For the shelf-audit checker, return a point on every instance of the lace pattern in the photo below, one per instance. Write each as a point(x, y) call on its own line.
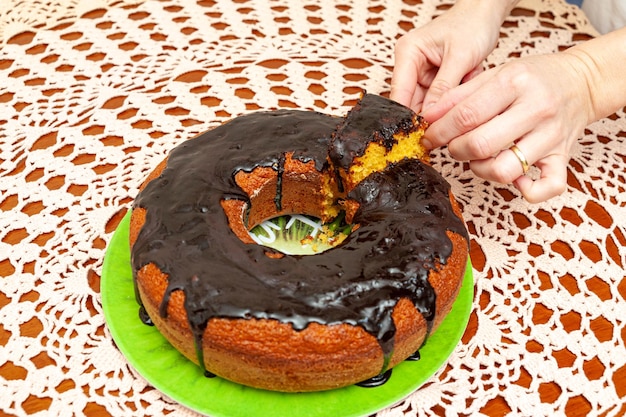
point(95, 94)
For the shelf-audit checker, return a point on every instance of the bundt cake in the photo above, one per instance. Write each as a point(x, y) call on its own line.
point(281, 322)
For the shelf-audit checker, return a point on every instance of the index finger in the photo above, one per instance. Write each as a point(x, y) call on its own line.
point(450, 74)
point(466, 107)
point(404, 78)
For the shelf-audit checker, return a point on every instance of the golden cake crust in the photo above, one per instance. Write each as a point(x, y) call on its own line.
point(270, 354)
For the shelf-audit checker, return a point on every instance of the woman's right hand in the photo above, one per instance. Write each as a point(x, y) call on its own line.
point(450, 49)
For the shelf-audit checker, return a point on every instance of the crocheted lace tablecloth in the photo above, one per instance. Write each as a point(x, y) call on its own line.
point(93, 94)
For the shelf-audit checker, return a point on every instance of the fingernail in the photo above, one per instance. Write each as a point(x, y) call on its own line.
point(427, 144)
point(425, 108)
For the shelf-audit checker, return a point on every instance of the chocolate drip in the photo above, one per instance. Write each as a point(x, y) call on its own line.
point(384, 376)
point(144, 317)
point(376, 381)
point(278, 199)
point(404, 213)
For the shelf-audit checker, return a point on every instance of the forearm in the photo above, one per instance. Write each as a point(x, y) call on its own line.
point(601, 61)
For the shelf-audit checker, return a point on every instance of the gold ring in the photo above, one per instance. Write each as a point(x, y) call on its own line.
point(521, 157)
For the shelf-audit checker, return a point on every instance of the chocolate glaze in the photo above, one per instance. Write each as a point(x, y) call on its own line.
point(403, 215)
point(381, 119)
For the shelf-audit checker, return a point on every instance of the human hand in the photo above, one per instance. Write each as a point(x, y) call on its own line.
point(445, 52)
point(541, 104)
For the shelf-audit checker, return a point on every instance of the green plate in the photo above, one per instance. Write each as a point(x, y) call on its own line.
point(180, 379)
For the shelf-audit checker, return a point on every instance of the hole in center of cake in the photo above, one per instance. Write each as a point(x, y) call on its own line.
point(298, 234)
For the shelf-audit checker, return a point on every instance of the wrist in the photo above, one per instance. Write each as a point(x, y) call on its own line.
point(601, 63)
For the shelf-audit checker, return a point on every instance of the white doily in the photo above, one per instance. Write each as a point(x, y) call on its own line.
point(94, 94)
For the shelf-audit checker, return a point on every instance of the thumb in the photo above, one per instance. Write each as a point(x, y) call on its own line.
point(450, 75)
